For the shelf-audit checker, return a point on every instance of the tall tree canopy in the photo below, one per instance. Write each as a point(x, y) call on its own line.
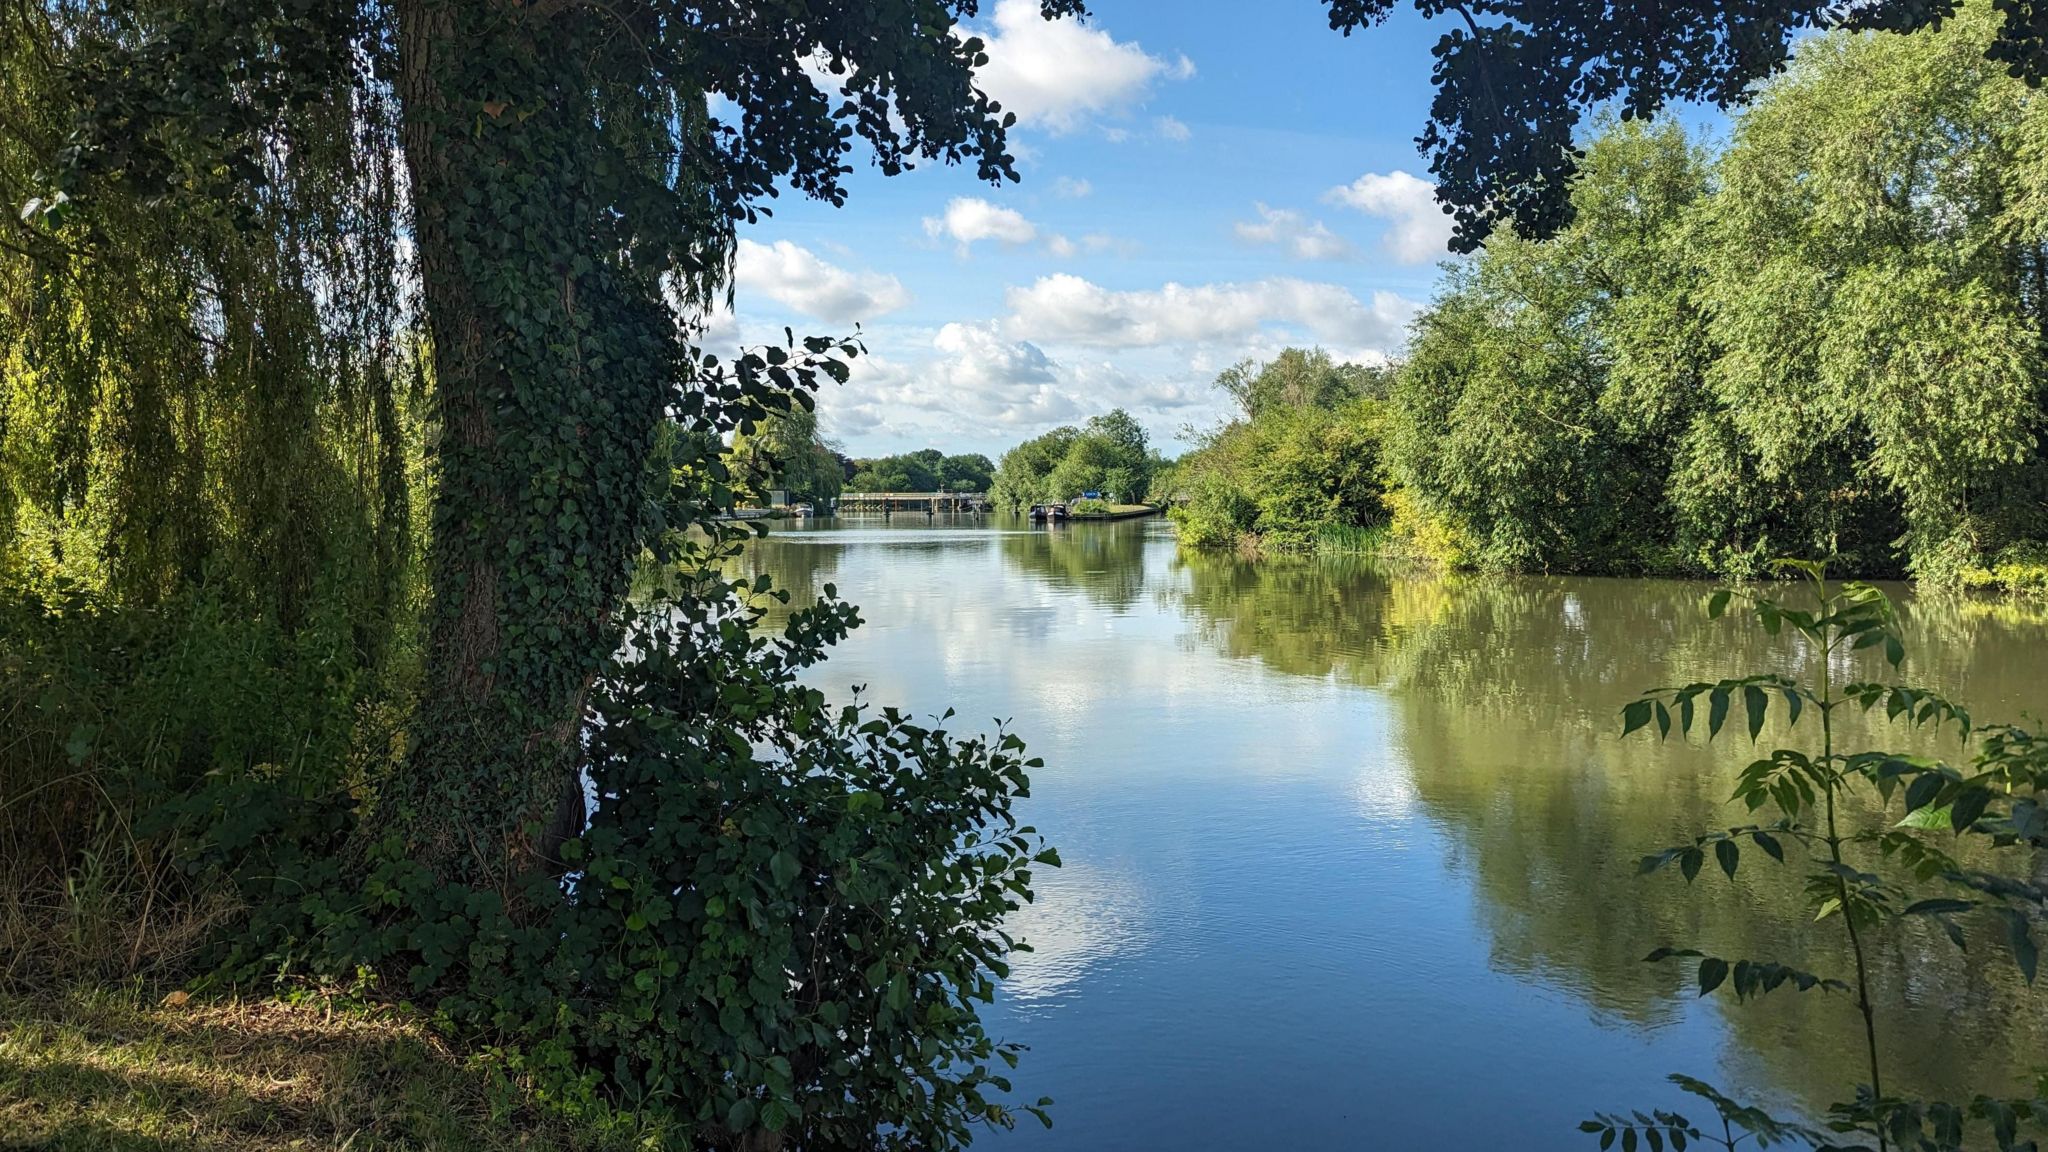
point(1515, 78)
point(566, 201)
point(1827, 340)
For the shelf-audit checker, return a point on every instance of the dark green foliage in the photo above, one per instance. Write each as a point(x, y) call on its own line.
point(206, 213)
point(925, 470)
point(1300, 467)
point(1828, 339)
point(1871, 880)
point(1515, 78)
point(1109, 454)
point(782, 916)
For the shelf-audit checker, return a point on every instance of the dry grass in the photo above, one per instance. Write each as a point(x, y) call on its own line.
point(89, 1069)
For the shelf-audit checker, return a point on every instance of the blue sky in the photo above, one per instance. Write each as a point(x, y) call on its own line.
point(1202, 182)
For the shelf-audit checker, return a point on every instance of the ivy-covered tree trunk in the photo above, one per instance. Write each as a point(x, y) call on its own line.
point(550, 359)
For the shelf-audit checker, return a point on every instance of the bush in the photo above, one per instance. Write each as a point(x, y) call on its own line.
point(782, 917)
point(135, 740)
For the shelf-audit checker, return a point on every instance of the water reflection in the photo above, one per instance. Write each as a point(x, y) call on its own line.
point(1351, 852)
point(1508, 692)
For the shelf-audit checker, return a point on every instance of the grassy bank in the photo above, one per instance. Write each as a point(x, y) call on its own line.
point(1098, 510)
point(97, 1067)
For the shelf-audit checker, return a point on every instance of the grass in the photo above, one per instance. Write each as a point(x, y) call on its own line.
point(91, 1068)
point(1085, 509)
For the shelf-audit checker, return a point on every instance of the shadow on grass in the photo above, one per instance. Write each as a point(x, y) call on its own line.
point(93, 1069)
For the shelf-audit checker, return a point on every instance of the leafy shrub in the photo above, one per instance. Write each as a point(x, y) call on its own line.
point(779, 923)
point(1290, 474)
point(2019, 568)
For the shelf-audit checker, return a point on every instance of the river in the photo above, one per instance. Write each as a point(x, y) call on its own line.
point(1350, 857)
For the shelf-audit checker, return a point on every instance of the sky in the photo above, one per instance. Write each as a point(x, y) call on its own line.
point(1202, 181)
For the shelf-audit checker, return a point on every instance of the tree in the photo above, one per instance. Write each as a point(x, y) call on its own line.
point(1827, 340)
point(919, 471)
point(1300, 467)
point(970, 473)
point(1515, 78)
point(1299, 378)
point(566, 183)
point(786, 453)
point(1020, 478)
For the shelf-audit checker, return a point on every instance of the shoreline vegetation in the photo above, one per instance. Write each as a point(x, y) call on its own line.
point(1828, 337)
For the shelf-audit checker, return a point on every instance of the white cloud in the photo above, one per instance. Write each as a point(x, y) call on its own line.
point(1068, 188)
point(1060, 74)
point(1172, 129)
point(976, 376)
point(1418, 229)
point(974, 383)
point(796, 278)
point(970, 219)
point(1304, 239)
point(1067, 309)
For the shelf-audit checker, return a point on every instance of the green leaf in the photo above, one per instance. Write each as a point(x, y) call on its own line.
point(1770, 845)
point(1713, 970)
point(784, 868)
point(1717, 603)
point(1968, 807)
point(1756, 702)
point(1923, 790)
point(2019, 935)
point(1635, 716)
point(1726, 853)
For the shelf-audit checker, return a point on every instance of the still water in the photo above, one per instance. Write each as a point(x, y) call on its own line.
point(1350, 856)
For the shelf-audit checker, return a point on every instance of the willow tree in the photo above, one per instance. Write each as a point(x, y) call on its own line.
point(570, 200)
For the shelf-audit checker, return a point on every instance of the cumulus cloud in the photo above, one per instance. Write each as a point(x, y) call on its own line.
point(797, 278)
point(1301, 237)
point(1060, 74)
point(977, 384)
point(973, 375)
point(1418, 230)
point(969, 219)
point(1067, 309)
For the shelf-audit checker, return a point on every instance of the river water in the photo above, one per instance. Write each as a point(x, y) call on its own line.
point(1350, 857)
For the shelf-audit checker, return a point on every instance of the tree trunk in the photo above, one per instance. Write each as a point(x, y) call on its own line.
point(550, 359)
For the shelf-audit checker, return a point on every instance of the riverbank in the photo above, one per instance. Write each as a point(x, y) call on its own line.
point(134, 1067)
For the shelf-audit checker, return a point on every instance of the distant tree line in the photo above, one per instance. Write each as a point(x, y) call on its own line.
point(925, 470)
point(1827, 339)
point(1110, 454)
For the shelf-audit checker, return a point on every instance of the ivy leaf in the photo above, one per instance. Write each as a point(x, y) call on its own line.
point(784, 868)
